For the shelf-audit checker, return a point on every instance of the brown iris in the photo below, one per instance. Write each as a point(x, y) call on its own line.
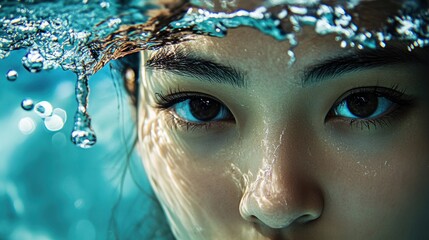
point(362, 105)
point(204, 109)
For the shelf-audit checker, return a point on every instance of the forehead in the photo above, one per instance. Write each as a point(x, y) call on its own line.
point(250, 49)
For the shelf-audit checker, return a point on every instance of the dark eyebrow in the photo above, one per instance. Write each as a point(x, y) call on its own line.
point(357, 60)
point(183, 63)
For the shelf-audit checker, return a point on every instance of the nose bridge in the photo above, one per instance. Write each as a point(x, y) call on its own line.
point(278, 193)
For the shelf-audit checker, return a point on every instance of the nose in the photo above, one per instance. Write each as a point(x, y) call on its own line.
point(283, 193)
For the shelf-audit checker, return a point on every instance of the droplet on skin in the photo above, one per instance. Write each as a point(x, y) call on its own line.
point(12, 75)
point(27, 104)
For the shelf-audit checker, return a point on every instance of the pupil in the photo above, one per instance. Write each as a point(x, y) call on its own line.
point(204, 109)
point(362, 105)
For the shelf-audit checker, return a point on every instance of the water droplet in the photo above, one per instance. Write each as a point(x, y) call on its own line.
point(298, 10)
point(33, 61)
point(292, 58)
point(84, 138)
point(43, 109)
point(82, 135)
point(12, 75)
point(43, 25)
point(104, 4)
point(27, 104)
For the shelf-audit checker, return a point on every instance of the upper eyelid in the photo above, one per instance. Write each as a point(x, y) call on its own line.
point(393, 93)
point(168, 100)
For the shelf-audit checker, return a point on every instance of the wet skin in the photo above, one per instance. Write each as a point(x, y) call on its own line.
point(281, 159)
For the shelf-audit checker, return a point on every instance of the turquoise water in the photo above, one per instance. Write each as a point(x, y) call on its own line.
point(49, 188)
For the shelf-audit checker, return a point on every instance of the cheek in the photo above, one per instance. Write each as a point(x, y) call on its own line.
point(382, 183)
point(192, 185)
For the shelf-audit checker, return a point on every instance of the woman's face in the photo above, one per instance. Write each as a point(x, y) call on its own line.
point(239, 145)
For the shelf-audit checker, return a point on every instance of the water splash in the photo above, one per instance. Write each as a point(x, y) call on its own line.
point(57, 39)
point(411, 26)
point(97, 32)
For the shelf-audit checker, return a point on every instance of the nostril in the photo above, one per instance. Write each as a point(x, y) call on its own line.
point(253, 219)
point(306, 218)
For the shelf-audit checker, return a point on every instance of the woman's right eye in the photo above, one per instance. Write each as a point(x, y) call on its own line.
point(201, 110)
point(193, 110)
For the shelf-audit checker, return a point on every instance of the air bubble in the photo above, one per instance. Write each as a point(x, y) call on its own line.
point(61, 113)
point(27, 104)
point(11, 75)
point(33, 61)
point(43, 109)
point(54, 123)
point(26, 125)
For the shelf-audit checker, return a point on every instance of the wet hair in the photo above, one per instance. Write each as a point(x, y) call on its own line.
point(129, 69)
point(153, 223)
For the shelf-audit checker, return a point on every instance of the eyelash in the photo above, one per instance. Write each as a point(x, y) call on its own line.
point(174, 96)
point(394, 94)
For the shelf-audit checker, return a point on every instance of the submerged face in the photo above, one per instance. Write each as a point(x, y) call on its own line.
point(239, 145)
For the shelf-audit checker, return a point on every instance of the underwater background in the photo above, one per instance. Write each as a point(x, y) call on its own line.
point(52, 189)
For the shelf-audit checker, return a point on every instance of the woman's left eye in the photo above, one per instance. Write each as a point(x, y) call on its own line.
point(201, 110)
point(365, 105)
point(370, 106)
